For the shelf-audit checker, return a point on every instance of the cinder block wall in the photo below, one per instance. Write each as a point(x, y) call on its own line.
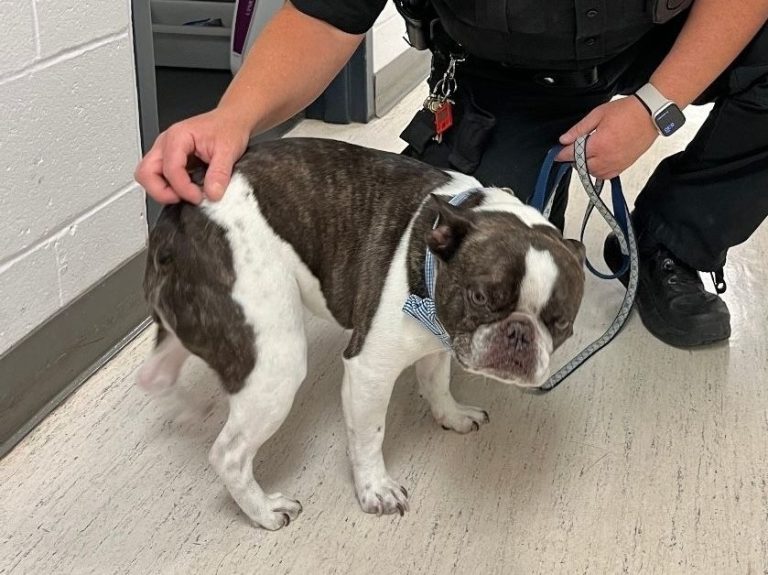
point(69, 141)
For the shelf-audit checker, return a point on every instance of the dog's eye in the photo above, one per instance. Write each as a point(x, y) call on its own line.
point(477, 297)
point(562, 324)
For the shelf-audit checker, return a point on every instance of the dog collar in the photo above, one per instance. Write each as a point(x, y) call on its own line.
point(423, 309)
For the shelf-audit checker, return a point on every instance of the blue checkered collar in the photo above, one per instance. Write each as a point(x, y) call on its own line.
point(424, 309)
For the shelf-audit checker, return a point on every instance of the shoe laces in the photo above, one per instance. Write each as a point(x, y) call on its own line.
point(678, 273)
point(681, 274)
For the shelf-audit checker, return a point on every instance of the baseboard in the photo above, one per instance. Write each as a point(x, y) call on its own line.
point(41, 371)
point(398, 78)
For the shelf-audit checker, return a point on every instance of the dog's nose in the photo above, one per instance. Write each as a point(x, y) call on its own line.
point(520, 333)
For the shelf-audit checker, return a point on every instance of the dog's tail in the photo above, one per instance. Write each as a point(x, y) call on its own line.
point(161, 253)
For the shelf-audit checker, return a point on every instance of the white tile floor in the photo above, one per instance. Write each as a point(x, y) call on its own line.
point(649, 460)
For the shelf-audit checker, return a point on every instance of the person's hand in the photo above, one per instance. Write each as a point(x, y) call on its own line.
point(623, 131)
point(217, 138)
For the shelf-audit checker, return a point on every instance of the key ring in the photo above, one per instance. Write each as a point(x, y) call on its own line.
point(447, 85)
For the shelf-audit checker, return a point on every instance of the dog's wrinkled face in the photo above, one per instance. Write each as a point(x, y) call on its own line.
point(507, 291)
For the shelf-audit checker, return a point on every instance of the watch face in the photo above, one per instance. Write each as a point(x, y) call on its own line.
point(669, 119)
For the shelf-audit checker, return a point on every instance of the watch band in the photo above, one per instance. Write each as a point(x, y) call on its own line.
point(665, 114)
point(651, 98)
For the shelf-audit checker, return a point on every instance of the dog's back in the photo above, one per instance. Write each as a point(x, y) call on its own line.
point(319, 195)
point(313, 194)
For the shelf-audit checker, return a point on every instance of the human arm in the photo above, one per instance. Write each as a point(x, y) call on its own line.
point(292, 61)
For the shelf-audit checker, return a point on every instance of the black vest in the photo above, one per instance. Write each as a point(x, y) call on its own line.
point(551, 34)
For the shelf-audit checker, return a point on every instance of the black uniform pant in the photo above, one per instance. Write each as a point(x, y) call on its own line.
point(697, 203)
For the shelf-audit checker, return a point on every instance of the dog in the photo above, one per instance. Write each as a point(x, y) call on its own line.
point(344, 231)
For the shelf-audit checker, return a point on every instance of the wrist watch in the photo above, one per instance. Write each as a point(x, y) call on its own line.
point(666, 115)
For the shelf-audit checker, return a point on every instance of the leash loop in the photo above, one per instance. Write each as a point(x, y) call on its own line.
point(620, 223)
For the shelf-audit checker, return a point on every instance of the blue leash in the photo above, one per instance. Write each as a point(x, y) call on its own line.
point(620, 223)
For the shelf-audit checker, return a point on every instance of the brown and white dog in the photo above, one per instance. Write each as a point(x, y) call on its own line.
point(343, 231)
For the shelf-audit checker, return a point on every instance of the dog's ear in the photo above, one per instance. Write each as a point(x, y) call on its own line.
point(577, 249)
point(453, 225)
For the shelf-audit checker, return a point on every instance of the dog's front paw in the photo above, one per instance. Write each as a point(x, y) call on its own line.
point(279, 512)
point(382, 496)
point(462, 418)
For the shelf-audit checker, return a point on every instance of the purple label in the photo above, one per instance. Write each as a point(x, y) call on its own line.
point(242, 23)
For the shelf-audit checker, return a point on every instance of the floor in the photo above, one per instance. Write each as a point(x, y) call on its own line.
point(648, 460)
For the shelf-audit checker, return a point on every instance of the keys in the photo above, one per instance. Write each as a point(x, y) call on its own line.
point(433, 102)
point(439, 102)
point(442, 110)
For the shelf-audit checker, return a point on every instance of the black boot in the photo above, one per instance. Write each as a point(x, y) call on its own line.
point(671, 298)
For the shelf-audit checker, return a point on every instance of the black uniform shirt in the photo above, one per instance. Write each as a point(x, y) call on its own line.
point(559, 34)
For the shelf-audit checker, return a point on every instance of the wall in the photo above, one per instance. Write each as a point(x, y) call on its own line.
point(388, 33)
point(69, 210)
point(397, 67)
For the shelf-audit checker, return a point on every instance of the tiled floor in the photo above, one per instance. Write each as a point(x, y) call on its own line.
point(649, 460)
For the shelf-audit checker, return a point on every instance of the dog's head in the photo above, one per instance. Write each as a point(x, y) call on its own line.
point(508, 289)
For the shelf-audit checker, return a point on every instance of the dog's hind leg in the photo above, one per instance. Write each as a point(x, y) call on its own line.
point(159, 373)
point(256, 345)
point(434, 375)
point(161, 370)
point(220, 280)
point(260, 406)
